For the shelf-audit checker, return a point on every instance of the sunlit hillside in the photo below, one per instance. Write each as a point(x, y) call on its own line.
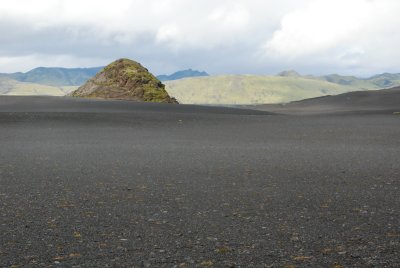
point(250, 89)
point(12, 87)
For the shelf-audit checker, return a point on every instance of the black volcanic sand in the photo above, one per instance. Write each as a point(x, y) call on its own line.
point(373, 101)
point(88, 183)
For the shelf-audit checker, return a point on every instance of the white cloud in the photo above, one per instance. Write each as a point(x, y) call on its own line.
point(348, 34)
point(167, 33)
point(230, 16)
point(320, 26)
point(239, 36)
point(28, 62)
point(131, 27)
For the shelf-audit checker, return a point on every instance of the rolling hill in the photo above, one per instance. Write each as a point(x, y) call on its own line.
point(380, 81)
point(285, 87)
point(13, 87)
point(250, 89)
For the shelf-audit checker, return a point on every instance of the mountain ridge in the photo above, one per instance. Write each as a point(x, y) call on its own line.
point(54, 76)
point(379, 81)
point(62, 76)
point(182, 74)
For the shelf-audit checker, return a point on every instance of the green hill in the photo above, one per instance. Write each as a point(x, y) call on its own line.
point(13, 87)
point(287, 86)
point(250, 89)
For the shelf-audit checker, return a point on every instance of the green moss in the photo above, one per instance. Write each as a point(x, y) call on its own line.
point(128, 79)
point(154, 94)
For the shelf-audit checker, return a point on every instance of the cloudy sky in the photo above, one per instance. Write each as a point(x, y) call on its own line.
point(359, 37)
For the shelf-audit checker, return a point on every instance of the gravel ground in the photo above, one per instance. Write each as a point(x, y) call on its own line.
point(87, 183)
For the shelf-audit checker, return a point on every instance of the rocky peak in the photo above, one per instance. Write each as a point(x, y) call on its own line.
point(125, 79)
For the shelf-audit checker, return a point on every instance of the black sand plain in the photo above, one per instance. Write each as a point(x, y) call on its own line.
point(372, 101)
point(89, 183)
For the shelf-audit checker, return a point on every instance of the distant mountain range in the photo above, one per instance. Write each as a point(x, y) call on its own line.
point(182, 74)
point(54, 76)
point(380, 81)
point(199, 88)
point(78, 76)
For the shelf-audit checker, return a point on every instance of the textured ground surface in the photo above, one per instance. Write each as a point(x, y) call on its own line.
point(375, 101)
point(114, 184)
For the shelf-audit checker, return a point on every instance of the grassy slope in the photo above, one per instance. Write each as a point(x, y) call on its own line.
point(12, 87)
point(250, 89)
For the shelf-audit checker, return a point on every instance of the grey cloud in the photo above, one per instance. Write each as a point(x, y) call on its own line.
point(219, 37)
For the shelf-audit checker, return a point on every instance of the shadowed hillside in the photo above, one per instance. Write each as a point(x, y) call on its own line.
point(385, 100)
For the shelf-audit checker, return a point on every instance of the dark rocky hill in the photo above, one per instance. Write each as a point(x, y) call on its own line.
point(125, 79)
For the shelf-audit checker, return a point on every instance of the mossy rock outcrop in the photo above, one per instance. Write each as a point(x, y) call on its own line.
point(126, 80)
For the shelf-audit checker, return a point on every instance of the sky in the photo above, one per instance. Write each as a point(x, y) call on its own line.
point(352, 37)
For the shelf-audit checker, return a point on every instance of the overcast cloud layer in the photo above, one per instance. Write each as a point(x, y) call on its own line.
point(357, 37)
